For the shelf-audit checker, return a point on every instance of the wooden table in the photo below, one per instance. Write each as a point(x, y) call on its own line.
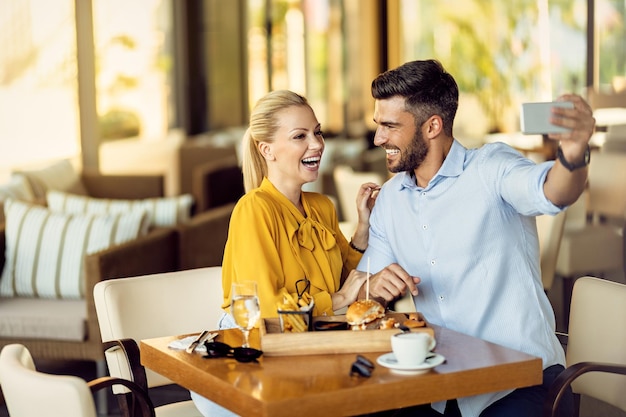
point(315, 385)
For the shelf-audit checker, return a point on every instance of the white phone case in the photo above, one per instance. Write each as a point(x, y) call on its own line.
point(535, 117)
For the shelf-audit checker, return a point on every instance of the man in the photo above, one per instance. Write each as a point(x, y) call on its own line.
point(460, 223)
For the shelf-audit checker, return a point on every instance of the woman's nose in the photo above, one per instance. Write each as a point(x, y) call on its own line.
point(316, 143)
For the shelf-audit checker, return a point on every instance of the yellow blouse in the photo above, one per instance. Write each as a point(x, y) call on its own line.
point(272, 243)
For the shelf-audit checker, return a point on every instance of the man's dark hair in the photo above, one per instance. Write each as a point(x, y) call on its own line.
point(427, 88)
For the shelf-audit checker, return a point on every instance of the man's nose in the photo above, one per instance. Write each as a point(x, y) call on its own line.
point(379, 137)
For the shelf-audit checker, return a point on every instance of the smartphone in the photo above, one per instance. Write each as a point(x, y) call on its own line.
point(535, 117)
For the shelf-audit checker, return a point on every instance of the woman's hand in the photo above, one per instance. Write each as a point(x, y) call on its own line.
point(365, 199)
point(349, 291)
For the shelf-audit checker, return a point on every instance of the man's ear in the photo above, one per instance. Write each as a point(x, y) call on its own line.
point(266, 151)
point(434, 126)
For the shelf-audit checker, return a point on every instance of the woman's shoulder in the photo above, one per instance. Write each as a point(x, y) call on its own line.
point(319, 200)
point(255, 201)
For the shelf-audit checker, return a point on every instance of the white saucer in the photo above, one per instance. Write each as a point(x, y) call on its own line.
point(388, 360)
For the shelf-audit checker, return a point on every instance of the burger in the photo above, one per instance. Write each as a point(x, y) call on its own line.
point(362, 312)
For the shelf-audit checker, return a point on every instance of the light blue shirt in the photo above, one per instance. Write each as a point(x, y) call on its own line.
point(470, 235)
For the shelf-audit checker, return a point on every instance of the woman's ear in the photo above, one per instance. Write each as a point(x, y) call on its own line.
point(266, 151)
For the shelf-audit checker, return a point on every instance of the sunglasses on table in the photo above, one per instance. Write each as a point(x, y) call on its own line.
point(222, 350)
point(362, 367)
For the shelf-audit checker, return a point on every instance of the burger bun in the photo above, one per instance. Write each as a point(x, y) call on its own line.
point(364, 311)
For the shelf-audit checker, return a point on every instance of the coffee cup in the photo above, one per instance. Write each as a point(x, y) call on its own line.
point(411, 349)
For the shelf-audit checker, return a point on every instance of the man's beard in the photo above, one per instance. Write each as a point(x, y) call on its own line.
point(413, 156)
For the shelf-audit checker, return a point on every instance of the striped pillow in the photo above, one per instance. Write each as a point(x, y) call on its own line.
point(163, 212)
point(45, 250)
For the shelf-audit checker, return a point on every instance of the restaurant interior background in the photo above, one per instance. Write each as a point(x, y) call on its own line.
point(118, 85)
point(92, 79)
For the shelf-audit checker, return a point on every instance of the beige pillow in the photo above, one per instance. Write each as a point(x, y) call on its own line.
point(45, 250)
point(163, 212)
point(17, 188)
point(59, 176)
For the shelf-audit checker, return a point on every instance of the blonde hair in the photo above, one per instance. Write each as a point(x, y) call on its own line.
point(263, 125)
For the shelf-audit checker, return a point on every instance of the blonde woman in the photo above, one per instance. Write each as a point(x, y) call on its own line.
point(280, 235)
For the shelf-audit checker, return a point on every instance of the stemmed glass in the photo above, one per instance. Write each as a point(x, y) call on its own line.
point(244, 306)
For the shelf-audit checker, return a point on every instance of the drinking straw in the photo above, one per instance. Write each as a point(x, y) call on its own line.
point(367, 284)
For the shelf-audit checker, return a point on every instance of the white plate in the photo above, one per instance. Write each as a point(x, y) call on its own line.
point(388, 360)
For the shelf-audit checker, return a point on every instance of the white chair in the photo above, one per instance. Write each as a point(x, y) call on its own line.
point(596, 347)
point(615, 139)
point(29, 393)
point(151, 306)
point(347, 183)
point(594, 244)
point(550, 232)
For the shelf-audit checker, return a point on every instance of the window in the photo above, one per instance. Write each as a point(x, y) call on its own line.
point(300, 46)
point(610, 30)
point(38, 89)
point(39, 115)
point(133, 68)
point(500, 53)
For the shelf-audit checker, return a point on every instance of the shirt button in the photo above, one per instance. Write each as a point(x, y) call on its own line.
point(441, 297)
point(425, 227)
point(433, 262)
point(423, 193)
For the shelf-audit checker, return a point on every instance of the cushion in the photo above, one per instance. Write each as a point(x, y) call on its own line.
point(163, 211)
point(18, 188)
point(59, 176)
point(40, 318)
point(45, 250)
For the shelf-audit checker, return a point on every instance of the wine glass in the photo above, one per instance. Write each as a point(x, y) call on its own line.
point(244, 306)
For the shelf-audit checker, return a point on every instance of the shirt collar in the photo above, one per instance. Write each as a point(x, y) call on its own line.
point(303, 229)
point(268, 187)
point(452, 166)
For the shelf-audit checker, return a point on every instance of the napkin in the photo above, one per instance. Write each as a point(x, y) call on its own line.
point(182, 344)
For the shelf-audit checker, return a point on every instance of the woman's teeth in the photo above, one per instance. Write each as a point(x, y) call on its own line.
point(311, 161)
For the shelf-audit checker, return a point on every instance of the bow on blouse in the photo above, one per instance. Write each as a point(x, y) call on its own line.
point(306, 238)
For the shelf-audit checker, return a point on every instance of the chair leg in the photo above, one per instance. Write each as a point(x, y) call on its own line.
point(102, 396)
point(568, 287)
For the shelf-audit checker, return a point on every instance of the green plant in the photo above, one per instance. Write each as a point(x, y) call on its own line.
point(119, 124)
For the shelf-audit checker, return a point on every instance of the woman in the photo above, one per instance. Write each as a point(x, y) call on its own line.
point(280, 235)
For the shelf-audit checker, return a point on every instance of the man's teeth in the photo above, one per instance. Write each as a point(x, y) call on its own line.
point(392, 151)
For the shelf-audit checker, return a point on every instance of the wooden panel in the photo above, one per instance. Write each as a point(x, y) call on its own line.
point(275, 343)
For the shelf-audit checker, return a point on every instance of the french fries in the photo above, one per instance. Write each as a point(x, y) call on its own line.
point(294, 322)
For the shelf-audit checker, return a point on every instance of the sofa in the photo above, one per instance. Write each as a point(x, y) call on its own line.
point(54, 324)
point(68, 329)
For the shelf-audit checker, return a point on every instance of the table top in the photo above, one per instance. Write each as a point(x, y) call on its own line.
point(314, 385)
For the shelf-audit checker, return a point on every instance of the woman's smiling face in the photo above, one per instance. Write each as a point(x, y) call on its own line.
point(294, 157)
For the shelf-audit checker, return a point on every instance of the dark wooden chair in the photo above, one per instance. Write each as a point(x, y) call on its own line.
point(217, 183)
